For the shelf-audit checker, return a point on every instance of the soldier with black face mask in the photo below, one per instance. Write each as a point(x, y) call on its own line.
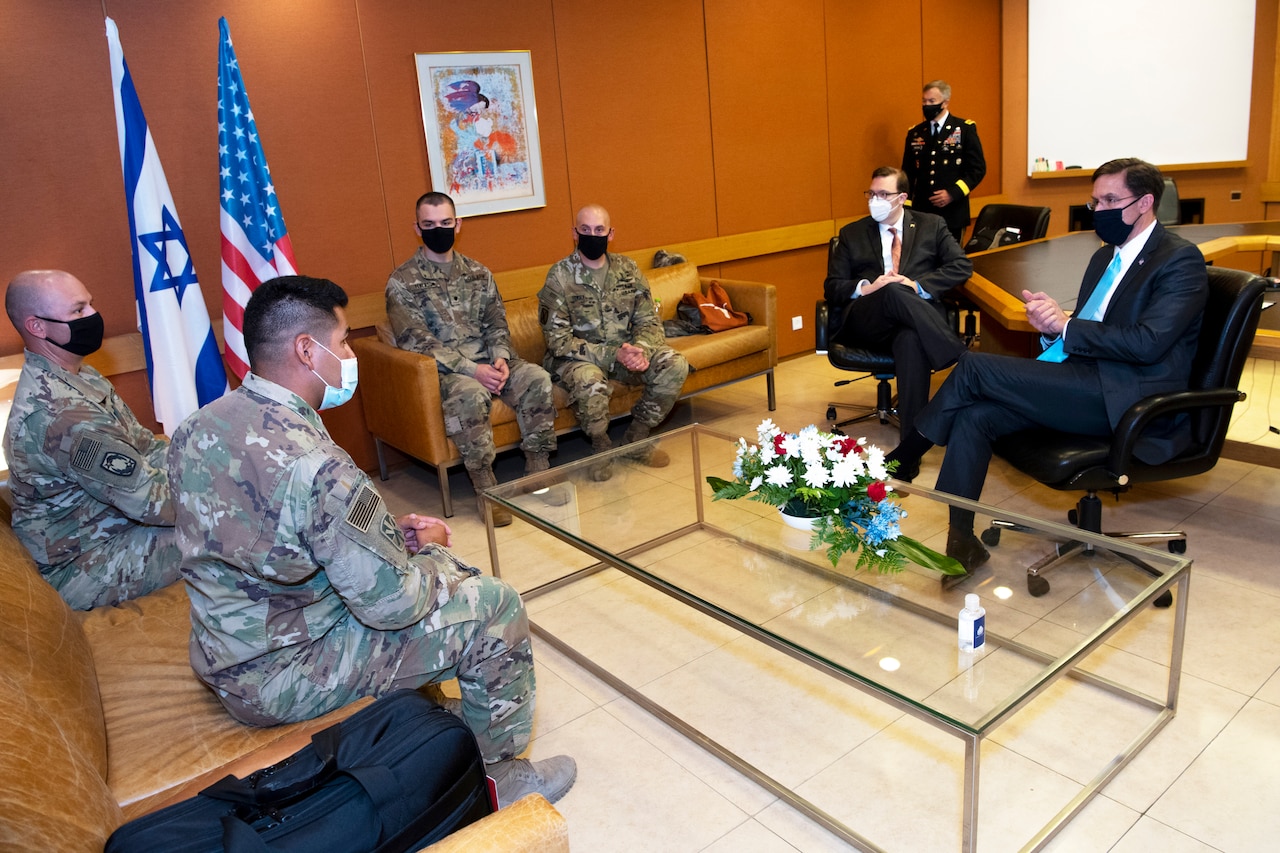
point(90, 488)
point(598, 318)
point(443, 304)
point(943, 160)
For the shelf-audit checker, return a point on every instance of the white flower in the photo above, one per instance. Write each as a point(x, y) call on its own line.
point(755, 482)
point(791, 446)
point(778, 475)
point(809, 441)
point(815, 476)
point(845, 471)
point(767, 454)
point(766, 431)
point(875, 463)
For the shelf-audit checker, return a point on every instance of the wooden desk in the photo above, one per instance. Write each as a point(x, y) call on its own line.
point(1056, 266)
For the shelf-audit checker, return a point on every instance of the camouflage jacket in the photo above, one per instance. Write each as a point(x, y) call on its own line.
point(458, 319)
point(284, 538)
point(81, 467)
point(584, 323)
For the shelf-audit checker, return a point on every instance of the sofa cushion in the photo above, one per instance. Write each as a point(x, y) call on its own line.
point(668, 284)
point(164, 727)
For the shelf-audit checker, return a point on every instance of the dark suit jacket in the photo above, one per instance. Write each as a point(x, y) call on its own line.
point(930, 256)
point(1148, 338)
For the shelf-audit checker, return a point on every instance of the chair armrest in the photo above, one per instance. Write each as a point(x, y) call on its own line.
point(402, 408)
point(820, 326)
point(1140, 414)
point(529, 825)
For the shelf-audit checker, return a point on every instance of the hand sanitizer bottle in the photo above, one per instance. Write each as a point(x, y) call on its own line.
point(973, 624)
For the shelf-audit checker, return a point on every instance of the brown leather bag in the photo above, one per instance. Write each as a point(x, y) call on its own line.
point(715, 310)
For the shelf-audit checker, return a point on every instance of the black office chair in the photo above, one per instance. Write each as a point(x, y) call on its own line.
point(1169, 212)
point(1002, 224)
point(872, 363)
point(1070, 462)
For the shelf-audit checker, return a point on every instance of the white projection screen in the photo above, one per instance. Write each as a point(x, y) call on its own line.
point(1165, 80)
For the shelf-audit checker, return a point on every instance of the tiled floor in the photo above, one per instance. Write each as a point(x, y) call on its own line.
point(1208, 781)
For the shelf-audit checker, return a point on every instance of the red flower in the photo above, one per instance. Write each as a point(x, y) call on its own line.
point(847, 444)
point(777, 445)
point(876, 491)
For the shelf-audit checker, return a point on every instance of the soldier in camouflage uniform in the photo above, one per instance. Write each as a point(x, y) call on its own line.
point(90, 490)
point(305, 592)
point(443, 304)
point(598, 318)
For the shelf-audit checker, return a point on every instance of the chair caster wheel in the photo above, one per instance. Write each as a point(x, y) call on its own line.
point(831, 413)
point(1177, 546)
point(1037, 586)
point(1164, 600)
point(1073, 518)
point(990, 536)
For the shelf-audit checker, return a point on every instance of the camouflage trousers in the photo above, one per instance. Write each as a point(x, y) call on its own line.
point(480, 636)
point(128, 564)
point(466, 404)
point(589, 391)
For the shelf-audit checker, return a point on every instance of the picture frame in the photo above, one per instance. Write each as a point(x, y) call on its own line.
point(480, 119)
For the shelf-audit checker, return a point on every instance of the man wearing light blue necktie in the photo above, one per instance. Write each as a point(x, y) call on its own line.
point(1142, 295)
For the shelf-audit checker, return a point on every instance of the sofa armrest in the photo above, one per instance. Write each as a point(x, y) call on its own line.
point(529, 825)
point(758, 299)
point(403, 407)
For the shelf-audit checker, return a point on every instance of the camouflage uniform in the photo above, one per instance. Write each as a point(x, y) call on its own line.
point(459, 320)
point(303, 597)
point(584, 326)
point(90, 491)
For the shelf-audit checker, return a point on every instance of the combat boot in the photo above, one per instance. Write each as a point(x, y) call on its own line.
point(602, 470)
point(551, 494)
point(645, 454)
point(484, 479)
point(519, 777)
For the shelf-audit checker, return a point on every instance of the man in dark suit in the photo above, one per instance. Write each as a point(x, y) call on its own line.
point(943, 160)
point(1134, 334)
point(885, 282)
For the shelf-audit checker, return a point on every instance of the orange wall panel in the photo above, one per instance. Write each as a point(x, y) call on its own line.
point(765, 62)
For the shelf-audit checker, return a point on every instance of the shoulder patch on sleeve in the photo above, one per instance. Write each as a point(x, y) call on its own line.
point(364, 508)
point(968, 121)
point(100, 457)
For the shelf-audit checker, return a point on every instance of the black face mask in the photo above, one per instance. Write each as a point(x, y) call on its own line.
point(931, 111)
point(1110, 226)
point(438, 240)
point(86, 334)
point(592, 246)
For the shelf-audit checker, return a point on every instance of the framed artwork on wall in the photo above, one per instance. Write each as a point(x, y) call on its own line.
point(480, 118)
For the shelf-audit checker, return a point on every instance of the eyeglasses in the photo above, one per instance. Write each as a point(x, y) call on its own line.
point(883, 196)
point(1107, 202)
point(599, 230)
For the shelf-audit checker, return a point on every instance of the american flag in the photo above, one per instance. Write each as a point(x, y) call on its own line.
point(255, 244)
point(183, 365)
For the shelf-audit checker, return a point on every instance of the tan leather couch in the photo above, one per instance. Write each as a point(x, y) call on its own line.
point(402, 407)
point(102, 720)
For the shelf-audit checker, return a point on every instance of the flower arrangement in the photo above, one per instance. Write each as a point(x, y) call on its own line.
point(839, 481)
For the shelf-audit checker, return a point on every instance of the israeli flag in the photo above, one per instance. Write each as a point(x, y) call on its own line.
point(184, 366)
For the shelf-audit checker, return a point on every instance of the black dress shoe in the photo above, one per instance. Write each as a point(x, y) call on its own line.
point(906, 472)
point(968, 549)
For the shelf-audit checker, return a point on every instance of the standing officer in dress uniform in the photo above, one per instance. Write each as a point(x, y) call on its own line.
point(943, 160)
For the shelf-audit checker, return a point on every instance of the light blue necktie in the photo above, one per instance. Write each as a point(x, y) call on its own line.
point(1092, 307)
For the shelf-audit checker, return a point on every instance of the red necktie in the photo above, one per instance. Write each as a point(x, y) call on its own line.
point(895, 250)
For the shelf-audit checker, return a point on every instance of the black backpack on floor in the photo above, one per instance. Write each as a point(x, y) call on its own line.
point(395, 776)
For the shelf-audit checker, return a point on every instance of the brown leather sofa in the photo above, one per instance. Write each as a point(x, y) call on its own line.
point(103, 721)
point(402, 409)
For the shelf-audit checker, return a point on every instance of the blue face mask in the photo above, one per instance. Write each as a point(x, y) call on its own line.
point(334, 397)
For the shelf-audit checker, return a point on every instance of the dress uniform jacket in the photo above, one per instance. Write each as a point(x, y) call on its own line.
point(952, 161)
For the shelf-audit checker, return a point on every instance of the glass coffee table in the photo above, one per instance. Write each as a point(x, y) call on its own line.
point(843, 692)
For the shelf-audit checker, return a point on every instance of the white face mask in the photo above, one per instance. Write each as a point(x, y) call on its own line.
point(334, 397)
point(881, 209)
